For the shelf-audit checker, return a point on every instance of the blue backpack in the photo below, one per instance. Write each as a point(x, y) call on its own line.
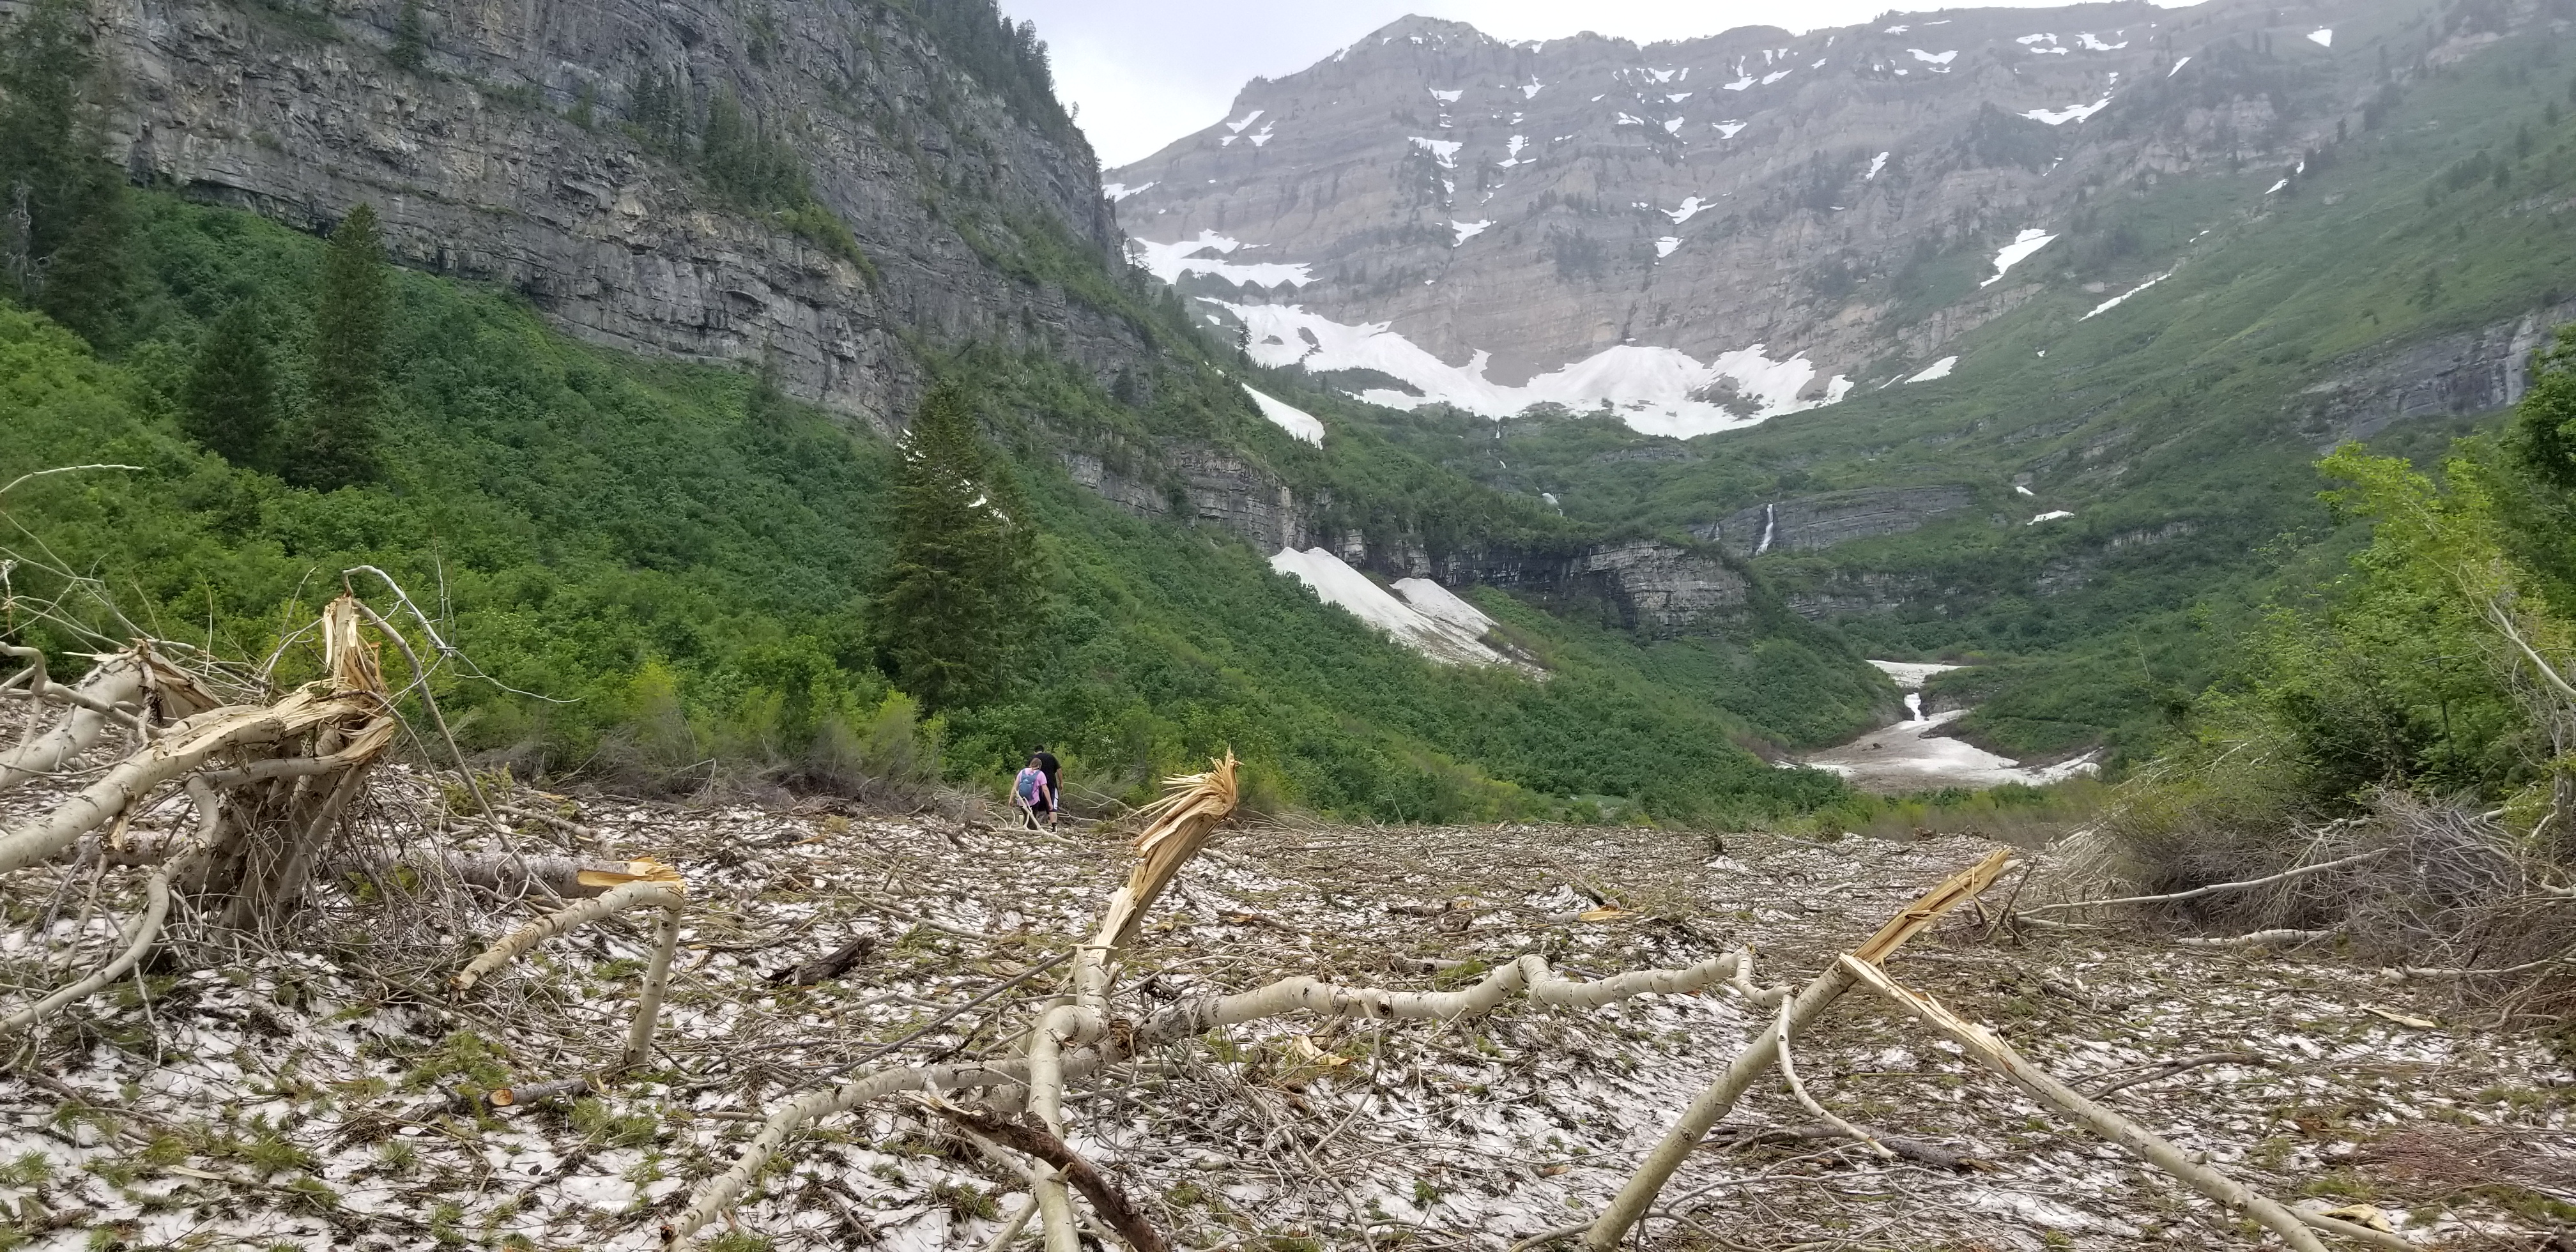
point(1030, 780)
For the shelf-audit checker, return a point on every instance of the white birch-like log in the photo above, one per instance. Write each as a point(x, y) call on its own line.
point(116, 680)
point(614, 901)
point(648, 1006)
point(1183, 1021)
point(182, 750)
point(1989, 1048)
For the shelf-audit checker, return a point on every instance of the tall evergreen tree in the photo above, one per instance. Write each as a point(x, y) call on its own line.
point(954, 600)
point(62, 208)
point(229, 403)
point(336, 445)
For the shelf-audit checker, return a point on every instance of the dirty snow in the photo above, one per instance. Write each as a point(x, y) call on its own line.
point(2019, 250)
point(1440, 604)
point(1441, 639)
point(1914, 756)
point(1288, 417)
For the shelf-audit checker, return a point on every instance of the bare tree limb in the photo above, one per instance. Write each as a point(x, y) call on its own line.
point(1789, 1071)
point(1713, 1104)
point(1998, 1055)
point(2213, 888)
point(665, 892)
point(1106, 1199)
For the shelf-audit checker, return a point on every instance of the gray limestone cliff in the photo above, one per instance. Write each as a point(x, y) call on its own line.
point(511, 155)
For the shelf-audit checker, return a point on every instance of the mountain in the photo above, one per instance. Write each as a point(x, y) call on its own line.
point(1706, 233)
point(2289, 226)
point(672, 281)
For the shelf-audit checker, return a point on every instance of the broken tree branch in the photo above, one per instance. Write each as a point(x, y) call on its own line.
point(1106, 1199)
point(1998, 1055)
point(1789, 1071)
point(1714, 1103)
point(665, 892)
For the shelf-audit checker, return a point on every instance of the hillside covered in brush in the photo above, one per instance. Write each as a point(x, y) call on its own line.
point(669, 566)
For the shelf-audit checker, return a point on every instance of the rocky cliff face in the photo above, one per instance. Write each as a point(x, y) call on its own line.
point(1706, 233)
point(2475, 371)
point(511, 154)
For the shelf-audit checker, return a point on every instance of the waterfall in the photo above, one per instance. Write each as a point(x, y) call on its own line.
point(1770, 525)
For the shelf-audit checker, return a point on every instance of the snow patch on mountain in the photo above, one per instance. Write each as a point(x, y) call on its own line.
point(1467, 231)
point(1168, 261)
point(2073, 112)
point(1876, 164)
point(2177, 67)
point(2114, 302)
point(2323, 38)
point(2052, 515)
point(1444, 151)
point(1690, 208)
point(2093, 43)
point(1447, 97)
point(1934, 58)
point(2019, 250)
point(1656, 391)
point(1727, 130)
point(1664, 247)
point(1336, 583)
point(1935, 371)
point(1120, 191)
point(1246, 120)
point(1288, 417)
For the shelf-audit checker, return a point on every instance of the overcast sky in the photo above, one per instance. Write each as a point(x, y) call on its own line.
point(1146, 72)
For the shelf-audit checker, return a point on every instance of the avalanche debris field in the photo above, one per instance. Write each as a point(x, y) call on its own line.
point(318, 1091)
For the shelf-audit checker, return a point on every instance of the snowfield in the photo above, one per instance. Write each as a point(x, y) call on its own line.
point(1654, 390)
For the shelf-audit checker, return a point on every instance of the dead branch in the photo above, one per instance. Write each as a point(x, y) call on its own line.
point(1106, 1199)
point(664, 892)
point(1714, 1103)
point(1789, 1071)
point(2258, 939)
point(1990, 1049)
point(2171, 1068)
point(2212, 889)
point(115, 681)
point(1178, 1023)
point(139, 939)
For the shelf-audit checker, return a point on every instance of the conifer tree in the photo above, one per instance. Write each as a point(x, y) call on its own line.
point(410, 49)
point(62, 207)
point(336, 445)
point(955, 598)
point(229, 403)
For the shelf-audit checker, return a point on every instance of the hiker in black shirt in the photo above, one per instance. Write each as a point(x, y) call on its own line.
point(1055, 786)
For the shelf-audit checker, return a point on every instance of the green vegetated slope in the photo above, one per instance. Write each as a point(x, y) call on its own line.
point(682, 563)
point(2173, 426)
